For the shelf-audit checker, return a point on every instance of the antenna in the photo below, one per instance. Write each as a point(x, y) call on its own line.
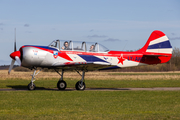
point(14, 39)
point(125, 44)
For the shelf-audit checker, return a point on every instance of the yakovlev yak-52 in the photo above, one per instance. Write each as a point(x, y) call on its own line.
point(88, 56)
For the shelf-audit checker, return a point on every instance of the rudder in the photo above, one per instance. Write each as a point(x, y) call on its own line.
point(158, 42)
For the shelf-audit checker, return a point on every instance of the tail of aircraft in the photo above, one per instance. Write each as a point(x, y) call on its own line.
point(157, 49)
point(158, 43)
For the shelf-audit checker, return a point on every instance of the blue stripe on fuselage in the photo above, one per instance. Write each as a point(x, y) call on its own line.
point(91, 58)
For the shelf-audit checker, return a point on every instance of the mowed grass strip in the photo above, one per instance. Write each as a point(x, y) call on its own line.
point(144, 73)
point(106, 83)
point(90, 105)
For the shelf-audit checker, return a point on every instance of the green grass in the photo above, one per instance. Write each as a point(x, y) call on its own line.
point(89, 105)
point(92, 105)
point(52, 83)
point(143, 73)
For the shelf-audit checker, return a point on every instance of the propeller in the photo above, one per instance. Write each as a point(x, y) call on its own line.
point(15, 56)
point(11, 66)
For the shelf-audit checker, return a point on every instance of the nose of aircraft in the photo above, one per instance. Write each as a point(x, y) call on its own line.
point(15, 54)
point(15, 57)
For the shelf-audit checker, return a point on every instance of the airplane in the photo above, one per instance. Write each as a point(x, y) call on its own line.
point(88, 56)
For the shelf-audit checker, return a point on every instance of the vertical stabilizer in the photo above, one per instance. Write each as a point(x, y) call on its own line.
point(158, 42)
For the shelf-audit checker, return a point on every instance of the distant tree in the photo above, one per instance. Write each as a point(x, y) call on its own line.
point(21, 69)
point(176, 58)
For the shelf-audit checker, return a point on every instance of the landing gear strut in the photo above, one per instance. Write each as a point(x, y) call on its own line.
point(61, 85)
point(80, 85)
point(31, 85)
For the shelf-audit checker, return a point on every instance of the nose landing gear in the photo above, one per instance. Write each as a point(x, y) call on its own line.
point(31, 85)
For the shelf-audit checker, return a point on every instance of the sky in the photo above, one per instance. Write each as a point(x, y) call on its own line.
point(117, 24)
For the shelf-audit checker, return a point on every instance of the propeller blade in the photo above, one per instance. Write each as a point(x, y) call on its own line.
point(15, 40)
point(18, 60)
point(11, 66)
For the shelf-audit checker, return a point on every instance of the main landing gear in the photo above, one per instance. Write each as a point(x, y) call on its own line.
point(80, 85)
point(61, 84)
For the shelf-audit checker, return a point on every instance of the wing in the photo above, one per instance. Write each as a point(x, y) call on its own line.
point(82, 65)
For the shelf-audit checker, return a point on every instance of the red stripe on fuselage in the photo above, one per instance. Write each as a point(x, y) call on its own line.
point(65, 56)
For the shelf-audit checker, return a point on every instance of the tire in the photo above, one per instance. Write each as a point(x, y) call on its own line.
point(79, 87)
point(31, 87)
point(61, 85)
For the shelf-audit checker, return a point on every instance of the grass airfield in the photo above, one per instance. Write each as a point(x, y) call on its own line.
point(123, 104)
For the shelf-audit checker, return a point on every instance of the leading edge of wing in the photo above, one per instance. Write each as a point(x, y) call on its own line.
point(81, 65)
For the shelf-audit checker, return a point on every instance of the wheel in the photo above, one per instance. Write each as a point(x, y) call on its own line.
point(79, 86)
point(61, 85)
point(31, 87)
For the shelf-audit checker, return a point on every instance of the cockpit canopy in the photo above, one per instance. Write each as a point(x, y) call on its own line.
point(78, 46)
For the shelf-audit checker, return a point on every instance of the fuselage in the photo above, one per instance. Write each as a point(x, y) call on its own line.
point(52, 57)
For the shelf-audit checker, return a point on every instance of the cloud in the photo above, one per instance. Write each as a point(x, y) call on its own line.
point(97, 36)
point(173, 34)
point(111, 40)
point(1, 23)
point(26, 25)
point(174, 38)
point(91, 30)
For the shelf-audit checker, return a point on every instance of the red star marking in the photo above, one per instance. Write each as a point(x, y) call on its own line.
point(121, 59)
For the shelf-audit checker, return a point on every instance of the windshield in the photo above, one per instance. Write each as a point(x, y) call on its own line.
point(55, 44)
point(96, 47)
point(78, 46)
